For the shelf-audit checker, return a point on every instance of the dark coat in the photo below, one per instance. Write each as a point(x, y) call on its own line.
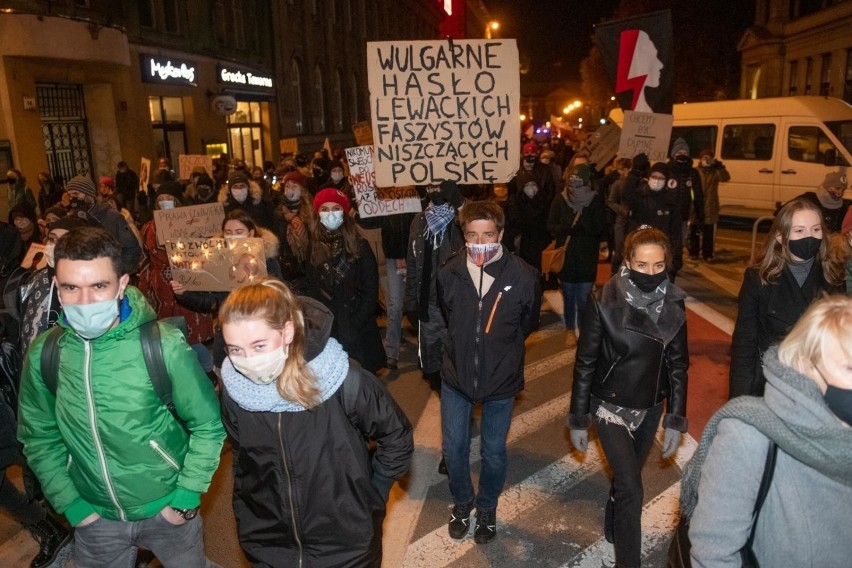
point(305, 486)
point(686, 181)
point(581, 254)
point(353, 303)
point(659, 209)
point(488, 365)
point(528, 218)
point(418, 294)
point(622, 358)
point(766, 314)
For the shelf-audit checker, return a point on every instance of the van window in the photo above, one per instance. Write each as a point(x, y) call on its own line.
point(748, 142)
point(810, 144)
point(842, 129)
point(698, 137)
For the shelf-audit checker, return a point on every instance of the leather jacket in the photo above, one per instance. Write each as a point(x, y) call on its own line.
point(623, 359)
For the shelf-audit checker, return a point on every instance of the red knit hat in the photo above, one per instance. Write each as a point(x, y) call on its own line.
point(529, 148)
point(295, 177)
point(332, 195)
point(107, 181)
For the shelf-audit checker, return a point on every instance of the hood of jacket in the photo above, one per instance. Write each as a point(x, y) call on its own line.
point(134, 311)
point(255, 193)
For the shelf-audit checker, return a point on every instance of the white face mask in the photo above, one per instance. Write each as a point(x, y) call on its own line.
point(656, 184)
point(481, 253)
point(91, 321)
point(167, 204)
point(530, 189)
point(48, 252)
point(336, 176)
point(261, 369)
point(22, 223)
point(331, 220)
point(293, 194)
point(239, 193)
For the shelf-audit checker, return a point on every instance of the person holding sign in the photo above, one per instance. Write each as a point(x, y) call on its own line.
point(155, 278)
point(343, 275)
point(307, 490)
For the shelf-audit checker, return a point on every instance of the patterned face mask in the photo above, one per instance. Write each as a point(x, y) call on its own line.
point(481, 253)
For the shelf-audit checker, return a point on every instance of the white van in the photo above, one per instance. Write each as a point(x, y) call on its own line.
point(774, 148)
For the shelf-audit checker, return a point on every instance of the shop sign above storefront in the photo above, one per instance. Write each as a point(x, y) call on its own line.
point(168, 70)
point(243, 78)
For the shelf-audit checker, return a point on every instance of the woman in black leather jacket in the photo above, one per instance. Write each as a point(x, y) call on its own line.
point(631, 356)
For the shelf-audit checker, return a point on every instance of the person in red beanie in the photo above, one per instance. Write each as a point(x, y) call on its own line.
point(343, 275)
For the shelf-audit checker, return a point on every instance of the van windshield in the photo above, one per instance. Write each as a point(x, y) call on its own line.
point(843, 130)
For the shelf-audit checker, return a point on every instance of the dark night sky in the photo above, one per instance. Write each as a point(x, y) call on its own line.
point(555, 35)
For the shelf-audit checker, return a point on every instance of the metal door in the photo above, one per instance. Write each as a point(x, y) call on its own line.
point(64, 129)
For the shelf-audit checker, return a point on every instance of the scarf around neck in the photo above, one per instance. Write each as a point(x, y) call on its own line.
point(329, 367)
point(437, 219)
point(580, 197)
point(650, 303)
point(824, 447)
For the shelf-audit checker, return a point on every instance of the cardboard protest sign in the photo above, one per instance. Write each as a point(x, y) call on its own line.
point(646, 132)
point(188, 161)
point(602, 145)
point(144, 174)
point(373, 201)
point(363, 132)
point(216, 265)
point(36, 258)
point(289, 145)
point(195, 221)
point(444, 110)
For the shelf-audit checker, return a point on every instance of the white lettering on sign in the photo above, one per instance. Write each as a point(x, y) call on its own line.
point(245, 78)
point(169, 71)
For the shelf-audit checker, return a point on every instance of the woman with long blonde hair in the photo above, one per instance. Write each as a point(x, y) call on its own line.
point(298, 410)
point(794, 269)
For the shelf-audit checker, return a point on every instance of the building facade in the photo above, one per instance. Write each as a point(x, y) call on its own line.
point(798, 47)
point(87, 83)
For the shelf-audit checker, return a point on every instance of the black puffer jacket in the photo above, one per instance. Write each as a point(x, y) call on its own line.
point(306, 492)
point(488, 365)
point(622, 359)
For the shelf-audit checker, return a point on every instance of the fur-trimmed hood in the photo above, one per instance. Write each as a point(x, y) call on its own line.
point(255, 193)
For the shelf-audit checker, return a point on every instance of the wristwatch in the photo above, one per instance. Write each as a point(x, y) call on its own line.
point(187, 514)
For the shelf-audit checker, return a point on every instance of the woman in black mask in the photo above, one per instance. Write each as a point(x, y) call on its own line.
point(632, 356)
point(793, 270)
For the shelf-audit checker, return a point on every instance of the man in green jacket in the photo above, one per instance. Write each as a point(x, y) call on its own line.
point(109, 454)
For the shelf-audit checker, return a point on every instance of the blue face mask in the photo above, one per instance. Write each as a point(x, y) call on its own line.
point(331, 220)
point(91, 321)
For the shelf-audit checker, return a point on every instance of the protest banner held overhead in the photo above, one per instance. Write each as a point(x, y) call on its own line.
point(363, 132)
point(638, 56)
point(186, 163)
point(373, 201)
point(289, 145)
point(444, 110)
point(216, 265)
point(195, 221)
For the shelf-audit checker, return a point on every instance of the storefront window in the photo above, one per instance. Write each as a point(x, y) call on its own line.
point(244, 132)
point(167, 120)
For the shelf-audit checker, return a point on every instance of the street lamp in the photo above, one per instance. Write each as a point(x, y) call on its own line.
point(491, 28)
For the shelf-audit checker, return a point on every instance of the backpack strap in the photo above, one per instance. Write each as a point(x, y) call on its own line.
point(152, 352)
point(765, 482)
point(349, 391)
point(50, 359)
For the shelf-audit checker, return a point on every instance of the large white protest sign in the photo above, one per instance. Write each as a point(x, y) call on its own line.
point(444, 110)
point(646, 132)
point(196, 221)
point(188, 161)
point(373, 201)
point(216, 265)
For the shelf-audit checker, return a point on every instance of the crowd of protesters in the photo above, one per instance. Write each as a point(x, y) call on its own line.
point(293, 358)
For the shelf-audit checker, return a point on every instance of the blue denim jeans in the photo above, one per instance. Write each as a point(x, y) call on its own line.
point(575, 295)
point(113, 544)
point(394, 288)
point(455, 425)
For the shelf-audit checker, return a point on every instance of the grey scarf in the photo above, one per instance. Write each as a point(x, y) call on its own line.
point(649, 302)
point(580, 197)
point(826, 449)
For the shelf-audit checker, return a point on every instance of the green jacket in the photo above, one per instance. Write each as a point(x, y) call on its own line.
point(106, 443)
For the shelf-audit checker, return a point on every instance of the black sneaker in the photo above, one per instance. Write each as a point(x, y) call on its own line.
point(486, 526)
point(460, 521)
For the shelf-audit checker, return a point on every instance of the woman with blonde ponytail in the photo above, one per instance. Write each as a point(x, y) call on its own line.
point(298, 409)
